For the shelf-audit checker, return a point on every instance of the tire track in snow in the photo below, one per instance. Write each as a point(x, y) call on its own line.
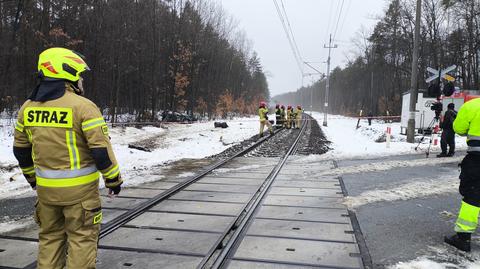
point(384, 166)
point(419, 187)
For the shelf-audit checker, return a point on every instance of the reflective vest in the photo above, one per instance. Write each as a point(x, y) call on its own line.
point(468, 123)
point(63, 134)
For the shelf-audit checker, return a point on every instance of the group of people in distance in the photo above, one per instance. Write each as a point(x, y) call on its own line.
point(288, 118)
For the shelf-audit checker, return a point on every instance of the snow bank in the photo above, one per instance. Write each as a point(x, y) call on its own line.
point(349, 142)
point(442, 257)
point(7, 225)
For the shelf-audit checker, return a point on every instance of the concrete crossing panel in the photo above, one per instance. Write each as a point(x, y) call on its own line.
point(308, 184)
point(238, 264)
point(115, 259)
point(212, 196)
point(306, 201)
point(304, 214)
point(234, 181)
point(306, 192)
point(314, 253)
point(120, 202)
point(182, 221)
point(194, 243)
point(235, 174)
point(199, 207)
point(142, 193)
point(302, 230)
point(222, 188)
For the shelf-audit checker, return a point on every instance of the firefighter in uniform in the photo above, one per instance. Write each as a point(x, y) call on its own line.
point(289, 116)
point(278, 115)
point(263, 113)
point(62, 145)
point(283, 116)
point(298, 116)
point(467, 123)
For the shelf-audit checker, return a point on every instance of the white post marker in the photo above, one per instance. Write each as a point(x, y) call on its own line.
point(389, 135)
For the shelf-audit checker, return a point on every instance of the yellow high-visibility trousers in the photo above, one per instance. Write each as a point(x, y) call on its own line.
point(467, 220)
point(71, 229)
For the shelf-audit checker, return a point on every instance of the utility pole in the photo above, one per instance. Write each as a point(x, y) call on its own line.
point(413, 80)
point(327, 88)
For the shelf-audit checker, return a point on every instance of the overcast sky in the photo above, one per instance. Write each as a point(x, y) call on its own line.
point(311, 22)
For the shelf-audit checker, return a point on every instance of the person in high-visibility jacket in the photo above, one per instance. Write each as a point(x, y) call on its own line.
point(289, 116)
point(263, 114)
point(62, 146)
point(467, 123)
point(298, 117)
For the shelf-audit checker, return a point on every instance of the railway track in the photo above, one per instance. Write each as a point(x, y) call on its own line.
point(246, 211)
point(244, 201)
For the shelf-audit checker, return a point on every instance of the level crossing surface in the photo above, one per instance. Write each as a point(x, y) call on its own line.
point(301, 222)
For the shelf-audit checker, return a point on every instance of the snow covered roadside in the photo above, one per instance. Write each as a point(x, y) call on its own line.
point(174, 142)
point(349, 142)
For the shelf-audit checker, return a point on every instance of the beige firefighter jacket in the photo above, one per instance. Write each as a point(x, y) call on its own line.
point(67, 136)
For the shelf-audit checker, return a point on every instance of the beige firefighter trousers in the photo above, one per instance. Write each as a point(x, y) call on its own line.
point(71, 229)
point(298, 123)
point(262, 126)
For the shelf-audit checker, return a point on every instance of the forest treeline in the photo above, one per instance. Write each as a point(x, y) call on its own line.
point(376, 78)
point(145, 56)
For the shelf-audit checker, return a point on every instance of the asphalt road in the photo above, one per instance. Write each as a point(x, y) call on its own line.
point(404, 230)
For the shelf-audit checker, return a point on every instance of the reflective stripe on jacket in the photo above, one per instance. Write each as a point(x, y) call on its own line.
point(69, 144)
point(467, 123)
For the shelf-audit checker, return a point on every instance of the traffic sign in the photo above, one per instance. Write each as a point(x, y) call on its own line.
point(441, 73)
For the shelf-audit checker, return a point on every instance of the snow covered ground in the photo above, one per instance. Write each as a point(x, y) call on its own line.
point(350, 142)
point(172, 142)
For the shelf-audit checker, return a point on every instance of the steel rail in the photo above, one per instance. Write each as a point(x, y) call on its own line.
point(223, 247)
point(131, 214)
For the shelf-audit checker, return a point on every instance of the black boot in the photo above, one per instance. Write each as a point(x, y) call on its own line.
point(459, 240)
point(450, 154)
point(443, 154)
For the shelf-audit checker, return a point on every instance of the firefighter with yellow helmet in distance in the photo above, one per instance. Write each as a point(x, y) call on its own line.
point(62, 145)
point(263, 114)
point(467, 123)
point(298, 116)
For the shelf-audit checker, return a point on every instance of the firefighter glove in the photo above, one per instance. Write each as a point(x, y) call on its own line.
point(31, 180)
point(115, 190)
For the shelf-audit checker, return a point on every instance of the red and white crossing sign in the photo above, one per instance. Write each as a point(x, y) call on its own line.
point(442, 73)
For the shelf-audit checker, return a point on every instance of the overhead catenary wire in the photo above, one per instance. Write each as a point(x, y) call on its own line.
point(338, 19)
point(329, 20)
point(290, 39)
point(344, 18)
point(291, 34)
